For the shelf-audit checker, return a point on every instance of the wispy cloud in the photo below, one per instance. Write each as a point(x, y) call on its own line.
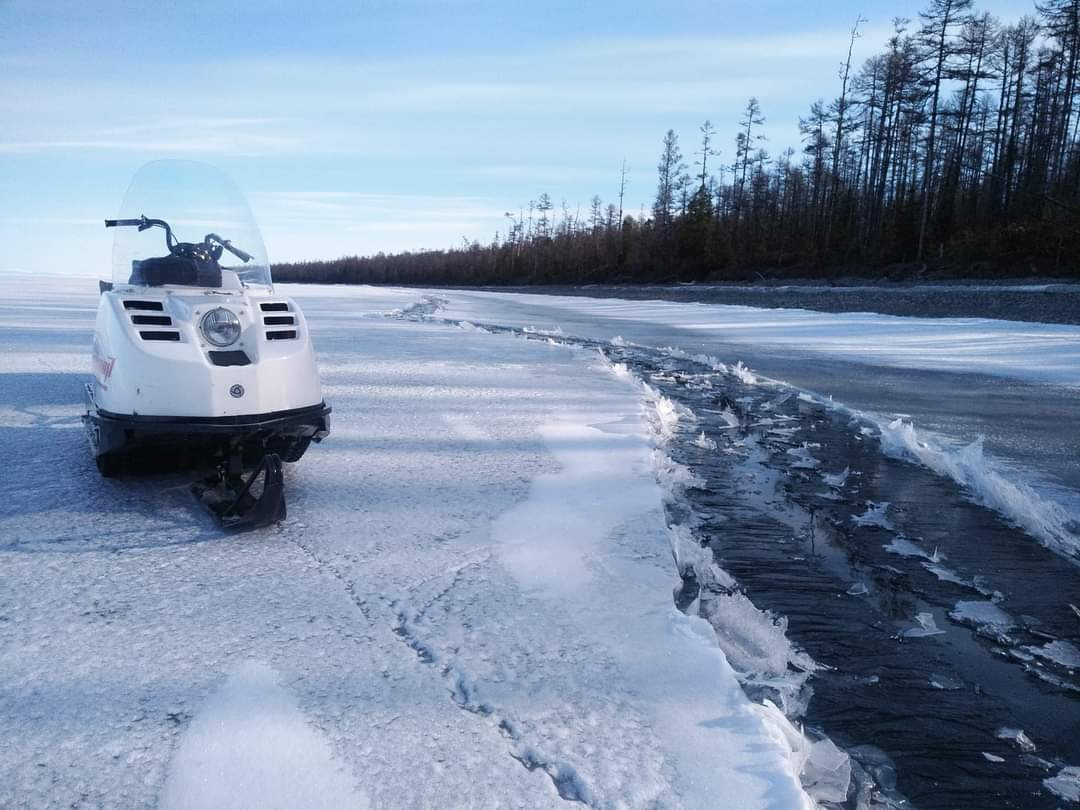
point(83, 221)
point(353, 222)
point(347, 205)
point(302, 104)
point(221, 136)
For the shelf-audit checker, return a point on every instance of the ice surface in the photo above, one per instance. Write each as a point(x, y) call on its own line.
point(905, 548)
point(1064, 653)
point(411, 644)
point(669, 414)
point(744, 374)
point(1017, 736)
point(704, 442)
point(945, 682)
point(837, 479)
point(825, 769)
point(1003, 490)
point(804, 459)
point(925, 626)
point(876, 514)
point(946, 574)
point(707, 360)
point(250, 745)
point(693, 558)
point(672, 475)
point(982, 614)
point(754, 641)
point(586, 536)
point(1030, 351)
point(1066, 784)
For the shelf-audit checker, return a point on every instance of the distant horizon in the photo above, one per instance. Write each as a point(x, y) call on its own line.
point(354, 132)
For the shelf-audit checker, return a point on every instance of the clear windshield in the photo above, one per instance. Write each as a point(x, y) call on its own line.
point(198, 230)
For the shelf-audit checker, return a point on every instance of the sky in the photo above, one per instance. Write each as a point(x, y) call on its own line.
point(358, 127)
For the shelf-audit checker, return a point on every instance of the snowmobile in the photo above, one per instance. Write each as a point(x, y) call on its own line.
point(197, 361)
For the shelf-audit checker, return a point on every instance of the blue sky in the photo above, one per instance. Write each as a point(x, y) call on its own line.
point(355, 127)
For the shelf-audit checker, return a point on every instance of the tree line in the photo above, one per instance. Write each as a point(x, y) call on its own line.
point(959, 143)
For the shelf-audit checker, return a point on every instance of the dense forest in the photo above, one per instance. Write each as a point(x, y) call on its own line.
point(958, 145)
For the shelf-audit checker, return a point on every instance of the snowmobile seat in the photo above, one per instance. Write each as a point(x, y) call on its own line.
point(179, 270)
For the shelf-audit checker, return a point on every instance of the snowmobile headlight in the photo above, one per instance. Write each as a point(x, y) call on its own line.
point(220, 327)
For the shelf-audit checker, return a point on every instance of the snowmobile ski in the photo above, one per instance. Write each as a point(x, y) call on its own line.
point(231, 496)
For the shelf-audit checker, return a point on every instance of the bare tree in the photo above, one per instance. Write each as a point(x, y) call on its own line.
point(708, 133)
point(938, 21)
point(670, 171)
point(841, 112)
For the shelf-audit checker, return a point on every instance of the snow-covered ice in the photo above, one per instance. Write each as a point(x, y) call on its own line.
point(470, 602)
point(249, 745)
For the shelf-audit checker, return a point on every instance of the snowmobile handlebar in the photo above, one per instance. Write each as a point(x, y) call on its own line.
point(242, 255)
point(144, 222)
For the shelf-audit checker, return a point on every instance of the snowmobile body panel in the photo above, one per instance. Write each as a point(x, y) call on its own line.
point(151, 359)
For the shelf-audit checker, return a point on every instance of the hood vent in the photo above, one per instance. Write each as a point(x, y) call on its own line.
point(152, 306)
point(162, 335)
point(284, 319)
point(151, 320)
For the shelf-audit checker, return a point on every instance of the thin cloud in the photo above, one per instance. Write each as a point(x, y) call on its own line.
point(349, 207)
point(249, 144)
point(300, 105)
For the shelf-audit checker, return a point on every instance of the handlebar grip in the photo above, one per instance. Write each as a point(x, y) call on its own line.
point(243, 255)
point(114, 223)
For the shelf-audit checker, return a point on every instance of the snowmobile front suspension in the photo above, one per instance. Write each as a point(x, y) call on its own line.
point(231, 496)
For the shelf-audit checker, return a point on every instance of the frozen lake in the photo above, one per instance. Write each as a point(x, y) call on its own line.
point(472, 596)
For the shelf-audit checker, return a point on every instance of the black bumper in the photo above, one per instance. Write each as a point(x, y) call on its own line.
point(114, 432)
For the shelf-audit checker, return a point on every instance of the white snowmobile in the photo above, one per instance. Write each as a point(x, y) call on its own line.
point(196, 360)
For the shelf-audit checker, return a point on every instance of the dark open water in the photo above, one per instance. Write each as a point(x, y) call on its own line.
point(935, 704)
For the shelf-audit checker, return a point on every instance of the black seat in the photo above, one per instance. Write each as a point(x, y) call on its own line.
point(179, 270)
